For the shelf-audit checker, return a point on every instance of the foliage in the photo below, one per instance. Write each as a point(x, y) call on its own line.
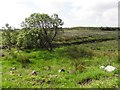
point(9, 36)
point(27, 39)
point(81, 62)
point(108, 29)
point(47, 27)
point(39, 31)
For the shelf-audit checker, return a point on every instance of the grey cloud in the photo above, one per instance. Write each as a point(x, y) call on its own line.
point(105, 6)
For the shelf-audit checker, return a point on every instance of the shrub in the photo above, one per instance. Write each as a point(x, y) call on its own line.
point(76, 52)
point(23, 59)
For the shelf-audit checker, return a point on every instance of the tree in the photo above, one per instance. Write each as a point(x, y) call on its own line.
point(28, 38)
point(47, 27)
point(9, 36)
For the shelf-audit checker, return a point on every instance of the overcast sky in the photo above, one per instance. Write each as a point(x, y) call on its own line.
point(72, 12)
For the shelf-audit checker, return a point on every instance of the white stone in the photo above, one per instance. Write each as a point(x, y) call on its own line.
point(102, 67)
point(33, 72)
point(11, 72)
point(59, 70)
point(109, 68)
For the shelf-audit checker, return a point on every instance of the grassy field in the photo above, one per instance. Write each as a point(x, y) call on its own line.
point(80, 35)
point(71, 66)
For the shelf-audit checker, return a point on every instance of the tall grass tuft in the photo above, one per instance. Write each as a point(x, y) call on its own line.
point(76, 52)
point(23, 59)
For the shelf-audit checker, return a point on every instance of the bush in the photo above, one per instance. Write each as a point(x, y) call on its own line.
point(76, 52)
point(23, 59)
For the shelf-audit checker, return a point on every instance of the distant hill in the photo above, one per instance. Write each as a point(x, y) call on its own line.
point(88, 28)
point(94, 28)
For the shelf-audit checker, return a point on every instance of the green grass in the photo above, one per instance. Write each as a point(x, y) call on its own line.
point(80, 62)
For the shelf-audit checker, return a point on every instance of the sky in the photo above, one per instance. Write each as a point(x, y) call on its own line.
point(73, 12)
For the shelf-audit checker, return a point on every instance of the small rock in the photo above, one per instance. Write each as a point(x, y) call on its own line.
point(33, 72)
point(19, 75)
point(1, 54)
point(11, 72)
point(109, 68)
point(101, 67)
point(61, 70)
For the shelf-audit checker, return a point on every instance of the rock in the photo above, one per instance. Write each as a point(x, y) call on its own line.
point(109, 68)
point(61, 70)
point(101, 67)
point(11, 72)
point(33, 72)
point(19, 75)
point(1, 54)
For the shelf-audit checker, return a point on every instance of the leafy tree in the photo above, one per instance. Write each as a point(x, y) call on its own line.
point(9, 36)
point(28, 38)
point(47, 27)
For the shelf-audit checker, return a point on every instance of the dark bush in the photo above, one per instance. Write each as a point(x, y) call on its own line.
point(76, 52)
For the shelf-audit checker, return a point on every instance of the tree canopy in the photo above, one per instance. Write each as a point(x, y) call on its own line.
point(38, 31)
point(47, 27)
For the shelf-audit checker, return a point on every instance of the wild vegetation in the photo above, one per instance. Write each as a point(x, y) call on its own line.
point(80, 65)
point(73, 59)
point(39, 31)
